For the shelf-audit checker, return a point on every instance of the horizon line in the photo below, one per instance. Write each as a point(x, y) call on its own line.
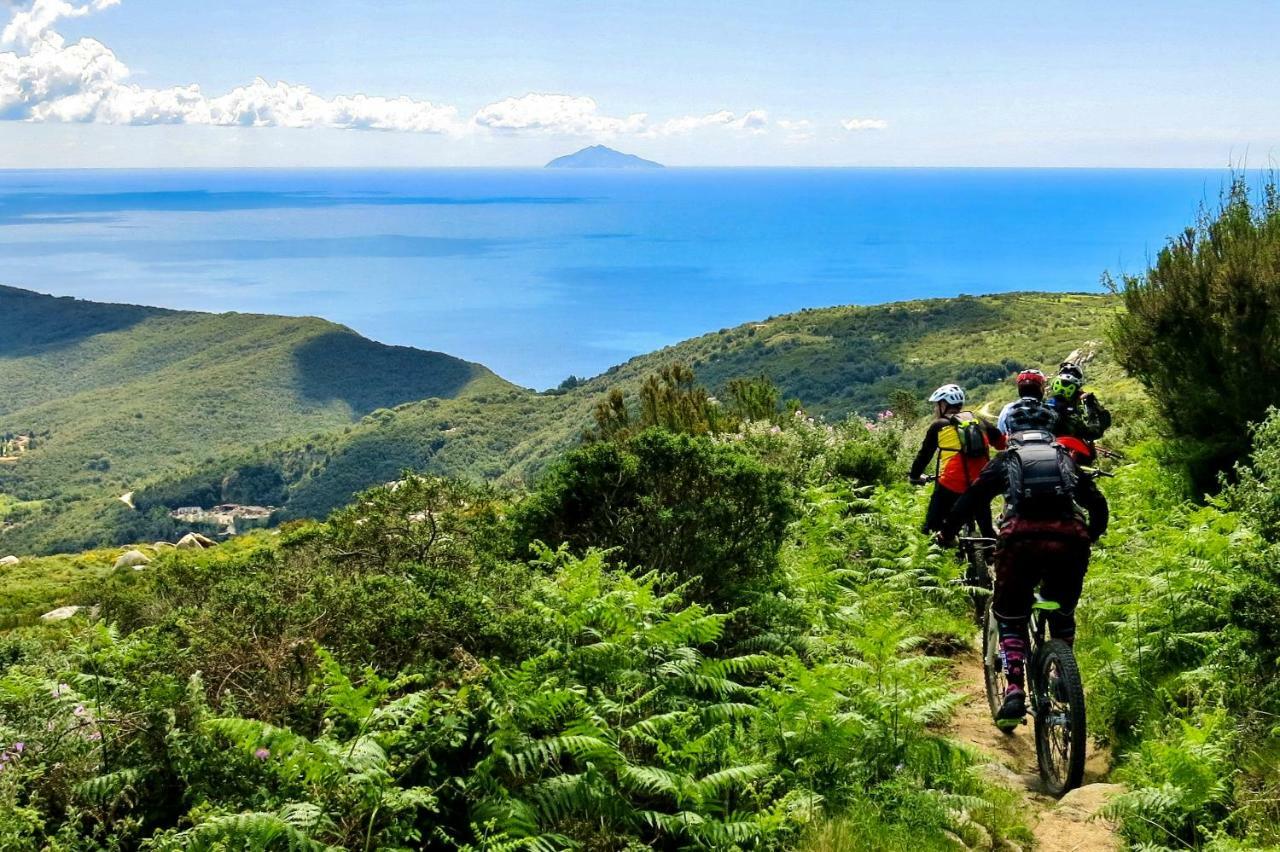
point(665, 167)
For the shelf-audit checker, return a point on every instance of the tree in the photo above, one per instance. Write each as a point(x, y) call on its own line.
point(754, 399)
point(255, 483)
point(669, 399)
point(672, 400)
point(1202, 326)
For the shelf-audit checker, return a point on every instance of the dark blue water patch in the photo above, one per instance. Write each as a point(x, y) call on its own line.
point(61, 219)
point(633, 276)
point(38, 208)
point(196, 252)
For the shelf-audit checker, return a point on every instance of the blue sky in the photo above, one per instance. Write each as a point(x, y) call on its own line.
point(174, 82)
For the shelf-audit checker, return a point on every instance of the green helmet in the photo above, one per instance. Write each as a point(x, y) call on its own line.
point(1064, 386)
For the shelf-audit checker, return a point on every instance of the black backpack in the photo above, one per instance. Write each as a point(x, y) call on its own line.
point(1030, 414)
point(1042, 479)
point(972, 437)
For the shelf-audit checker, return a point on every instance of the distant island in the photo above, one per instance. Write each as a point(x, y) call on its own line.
point(601, 157)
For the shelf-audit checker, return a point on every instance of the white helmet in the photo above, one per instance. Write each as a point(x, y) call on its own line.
point(950, 394)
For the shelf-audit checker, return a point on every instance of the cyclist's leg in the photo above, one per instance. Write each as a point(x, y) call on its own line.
point(982, 517)
point(1017, 575)
point(1065, 565)
point(941, 502)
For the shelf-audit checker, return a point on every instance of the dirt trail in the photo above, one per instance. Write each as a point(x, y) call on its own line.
point(1065, 825)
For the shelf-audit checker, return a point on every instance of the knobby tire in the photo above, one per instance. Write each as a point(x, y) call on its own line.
point(1059, 718)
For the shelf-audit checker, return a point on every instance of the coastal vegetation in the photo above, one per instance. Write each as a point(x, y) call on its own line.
point(837, 360)
point(705, 617)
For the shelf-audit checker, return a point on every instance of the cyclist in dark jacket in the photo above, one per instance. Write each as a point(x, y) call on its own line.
point(1029, 410)
point(1049, 551)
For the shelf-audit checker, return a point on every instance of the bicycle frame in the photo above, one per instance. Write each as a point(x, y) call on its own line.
point(1037, 632)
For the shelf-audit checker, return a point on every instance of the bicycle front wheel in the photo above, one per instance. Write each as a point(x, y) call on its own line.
point(1059, 718)
point(978, 579)
point(993, 664)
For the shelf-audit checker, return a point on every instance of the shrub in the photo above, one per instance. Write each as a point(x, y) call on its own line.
point(1202, 326)
point(667, 502)
point(405, 577)
point(864, 462)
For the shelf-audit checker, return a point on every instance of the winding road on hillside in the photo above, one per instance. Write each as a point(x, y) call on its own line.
point(1066, 825)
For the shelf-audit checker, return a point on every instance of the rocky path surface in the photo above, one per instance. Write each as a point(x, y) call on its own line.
point(1066, 825)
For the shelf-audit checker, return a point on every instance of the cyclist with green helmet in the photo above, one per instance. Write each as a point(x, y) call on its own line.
point(1080, 415)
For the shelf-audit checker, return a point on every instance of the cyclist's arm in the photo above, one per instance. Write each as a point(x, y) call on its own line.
point(927, 450)
point(995, 435)
point(1002, 422)
point(1096, 507)
point(1097, 418)
point(989, 484)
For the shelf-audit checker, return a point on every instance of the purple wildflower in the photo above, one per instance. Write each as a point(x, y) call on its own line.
point(262, 753)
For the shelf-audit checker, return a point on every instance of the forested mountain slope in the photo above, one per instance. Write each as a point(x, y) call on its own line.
point(113, 395)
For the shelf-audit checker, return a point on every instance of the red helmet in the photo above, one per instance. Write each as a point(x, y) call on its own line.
point(1080, 450)
point(1031, 377)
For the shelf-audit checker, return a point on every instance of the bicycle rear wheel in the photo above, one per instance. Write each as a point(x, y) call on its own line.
point(1059, 718)
point(993, 664)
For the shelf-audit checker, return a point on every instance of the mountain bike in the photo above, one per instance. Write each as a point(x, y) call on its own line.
point(1056, 695)
point(978, 553)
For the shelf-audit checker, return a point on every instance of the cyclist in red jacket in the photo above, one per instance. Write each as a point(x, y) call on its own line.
point(957, 445)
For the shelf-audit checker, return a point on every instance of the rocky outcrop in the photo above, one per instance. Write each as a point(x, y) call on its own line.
point(62, 613)
point(195, 541)
point(164, 545)
point(132, 559)
point(8, 561)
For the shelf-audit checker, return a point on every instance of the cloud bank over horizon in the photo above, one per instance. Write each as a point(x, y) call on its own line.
point(44, 79)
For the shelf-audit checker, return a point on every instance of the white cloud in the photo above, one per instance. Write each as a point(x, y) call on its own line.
point(556, 114)
point(35, 23)
point(50, 80)
point(855, 124)
point(45, 79)
point(755, 121)
point(798, 130)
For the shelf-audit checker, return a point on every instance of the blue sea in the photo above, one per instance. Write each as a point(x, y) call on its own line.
point(543, 273)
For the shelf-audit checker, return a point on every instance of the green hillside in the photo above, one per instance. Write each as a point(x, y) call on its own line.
point(837, 360)
point(115, 395)
point(302, 414)
point(801, 676)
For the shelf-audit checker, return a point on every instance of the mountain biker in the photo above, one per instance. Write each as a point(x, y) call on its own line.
point(1080, 415)
point(1053, 513)
point(1028, 411)
point(958, 444)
